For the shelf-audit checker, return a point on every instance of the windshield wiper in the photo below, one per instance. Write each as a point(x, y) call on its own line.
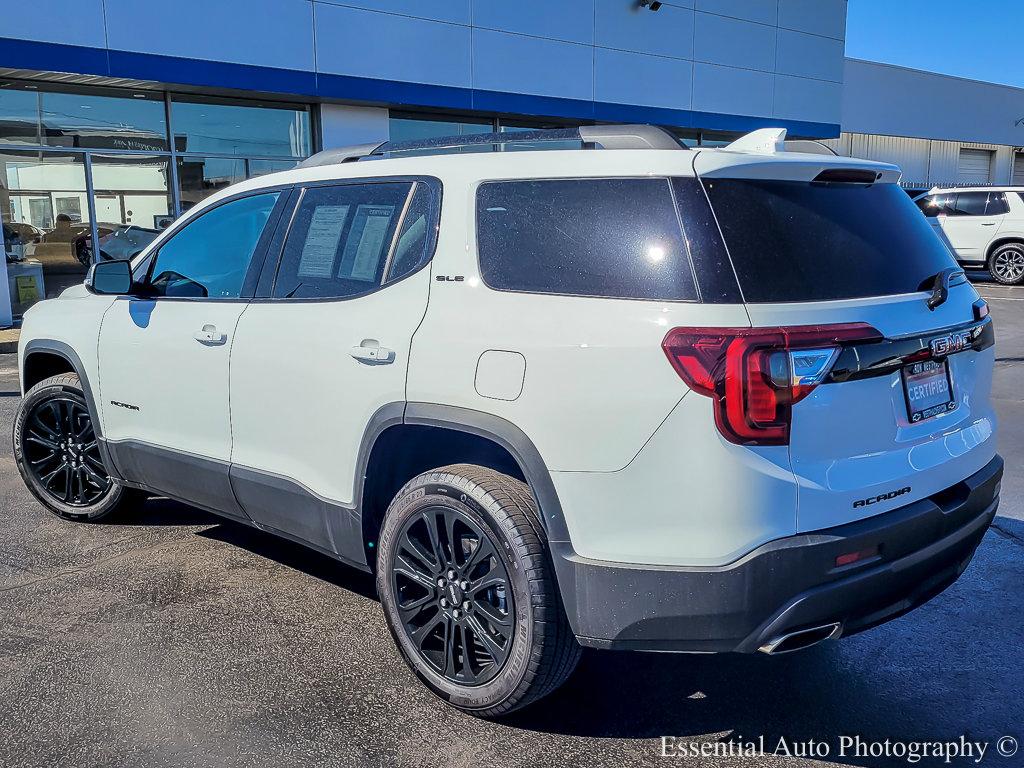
point(940, 287)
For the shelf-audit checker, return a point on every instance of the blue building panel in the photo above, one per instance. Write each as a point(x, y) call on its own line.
point(733, 42)
point(532, 65)
point(35, 21)
point(350, 41)
point(819, 17)
point(763, 11)
point(806, 55)
point(799, 98)
point(215, 30)
point(633, 78)
point(627, 27)
point(732, 91)
point(452, 11)
point(569, 20)
point(726, 64)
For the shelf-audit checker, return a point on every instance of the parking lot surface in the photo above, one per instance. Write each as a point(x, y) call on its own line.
point(174, 638)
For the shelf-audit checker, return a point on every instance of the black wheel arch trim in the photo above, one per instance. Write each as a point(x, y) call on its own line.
point(66, 351)
point(512, 439)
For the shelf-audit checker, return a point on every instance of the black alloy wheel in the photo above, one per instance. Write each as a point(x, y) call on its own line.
point(453, 595)
point(61, 451)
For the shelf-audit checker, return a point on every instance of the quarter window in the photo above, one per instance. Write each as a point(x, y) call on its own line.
point(618, 238)
point(209, 256)
point(342, 237)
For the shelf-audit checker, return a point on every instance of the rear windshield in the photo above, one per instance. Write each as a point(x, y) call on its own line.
point(800, 241)
point(617, 238)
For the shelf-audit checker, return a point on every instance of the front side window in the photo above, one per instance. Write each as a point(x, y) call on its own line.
point(617, 238)
point(342, 239)
point(209, 257)
point(935, 205)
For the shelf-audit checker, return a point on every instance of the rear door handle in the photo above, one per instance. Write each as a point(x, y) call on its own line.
point(988, 223)
point(210, 336)
point(370, 351)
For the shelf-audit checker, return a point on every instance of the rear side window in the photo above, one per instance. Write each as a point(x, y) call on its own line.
point(970, 204)
point(340, 239)
point(799, 241)
point(617, 238)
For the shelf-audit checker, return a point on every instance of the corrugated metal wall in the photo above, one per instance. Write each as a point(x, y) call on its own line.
point(925, 162)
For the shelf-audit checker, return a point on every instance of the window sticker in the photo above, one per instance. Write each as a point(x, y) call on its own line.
point(365, 244)
point(322, 240)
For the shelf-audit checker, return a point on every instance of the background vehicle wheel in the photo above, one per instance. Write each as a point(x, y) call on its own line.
point(469, 593)
point(83, 252)
point(1006, 264)
point(57, 452)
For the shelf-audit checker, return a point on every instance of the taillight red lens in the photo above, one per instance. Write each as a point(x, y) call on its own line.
point(755, 375)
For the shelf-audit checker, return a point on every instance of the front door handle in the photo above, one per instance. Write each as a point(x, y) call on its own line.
point(210, 336)
point(370, 351)
point(988, 223)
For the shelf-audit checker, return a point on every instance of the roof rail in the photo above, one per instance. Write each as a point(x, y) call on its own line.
point(605, 136)
point(341, 155)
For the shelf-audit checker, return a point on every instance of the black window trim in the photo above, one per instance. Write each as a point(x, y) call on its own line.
point(474, 192)
point(256, 263)
point(275, 255)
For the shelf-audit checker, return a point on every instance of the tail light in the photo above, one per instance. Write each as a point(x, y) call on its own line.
point(755, 375)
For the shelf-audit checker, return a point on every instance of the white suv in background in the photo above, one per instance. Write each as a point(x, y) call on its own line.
point(629, 396)
point(984, 227)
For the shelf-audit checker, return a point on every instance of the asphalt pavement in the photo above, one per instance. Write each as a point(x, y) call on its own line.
point(173, 638)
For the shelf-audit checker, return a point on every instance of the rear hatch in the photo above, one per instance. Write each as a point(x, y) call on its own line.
point(902, 410)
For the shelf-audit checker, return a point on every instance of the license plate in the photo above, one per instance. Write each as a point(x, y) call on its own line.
point(928, 389)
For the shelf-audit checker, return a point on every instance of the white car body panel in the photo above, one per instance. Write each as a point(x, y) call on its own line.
point(300, 402)
point(854, 440)
point(151, 361)
point(641, 471)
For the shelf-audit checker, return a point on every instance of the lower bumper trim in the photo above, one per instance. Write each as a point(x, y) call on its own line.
point(786, 587)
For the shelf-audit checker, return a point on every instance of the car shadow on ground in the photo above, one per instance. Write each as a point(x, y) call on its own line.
point(856, 687)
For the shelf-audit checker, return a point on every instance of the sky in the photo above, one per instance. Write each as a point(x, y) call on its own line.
point(977, 39)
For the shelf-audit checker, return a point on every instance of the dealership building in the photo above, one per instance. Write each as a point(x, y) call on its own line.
point(118, 115)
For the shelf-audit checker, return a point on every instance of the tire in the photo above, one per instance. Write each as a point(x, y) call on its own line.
point(51, 412)
point(495, 511)
point(1006, 264)
point(83, 253)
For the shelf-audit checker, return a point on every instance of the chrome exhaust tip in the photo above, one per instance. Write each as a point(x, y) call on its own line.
point(802, 638)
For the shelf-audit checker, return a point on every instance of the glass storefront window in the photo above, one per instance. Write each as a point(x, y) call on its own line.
point(103, 122)
point(19, 116)
point(132, 202)
point(43, 200)
point(228, 129)
point(414, 128)
point(31, 115)
point(526, 146)
point(125, 144)
point(200, 177)
point(263, 167)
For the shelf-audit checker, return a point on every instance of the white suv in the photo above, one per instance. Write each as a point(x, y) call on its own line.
point(626, 396)
point(984, 228)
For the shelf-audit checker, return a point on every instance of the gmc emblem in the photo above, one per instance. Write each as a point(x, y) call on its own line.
point(947, 345)
point(880, 497)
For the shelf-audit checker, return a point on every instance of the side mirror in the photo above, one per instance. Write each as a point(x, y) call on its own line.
point(110, 277)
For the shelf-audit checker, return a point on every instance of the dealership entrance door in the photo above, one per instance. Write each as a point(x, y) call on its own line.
point(54, 204)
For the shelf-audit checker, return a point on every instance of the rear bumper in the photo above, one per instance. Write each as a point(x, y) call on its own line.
point(785, 585)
